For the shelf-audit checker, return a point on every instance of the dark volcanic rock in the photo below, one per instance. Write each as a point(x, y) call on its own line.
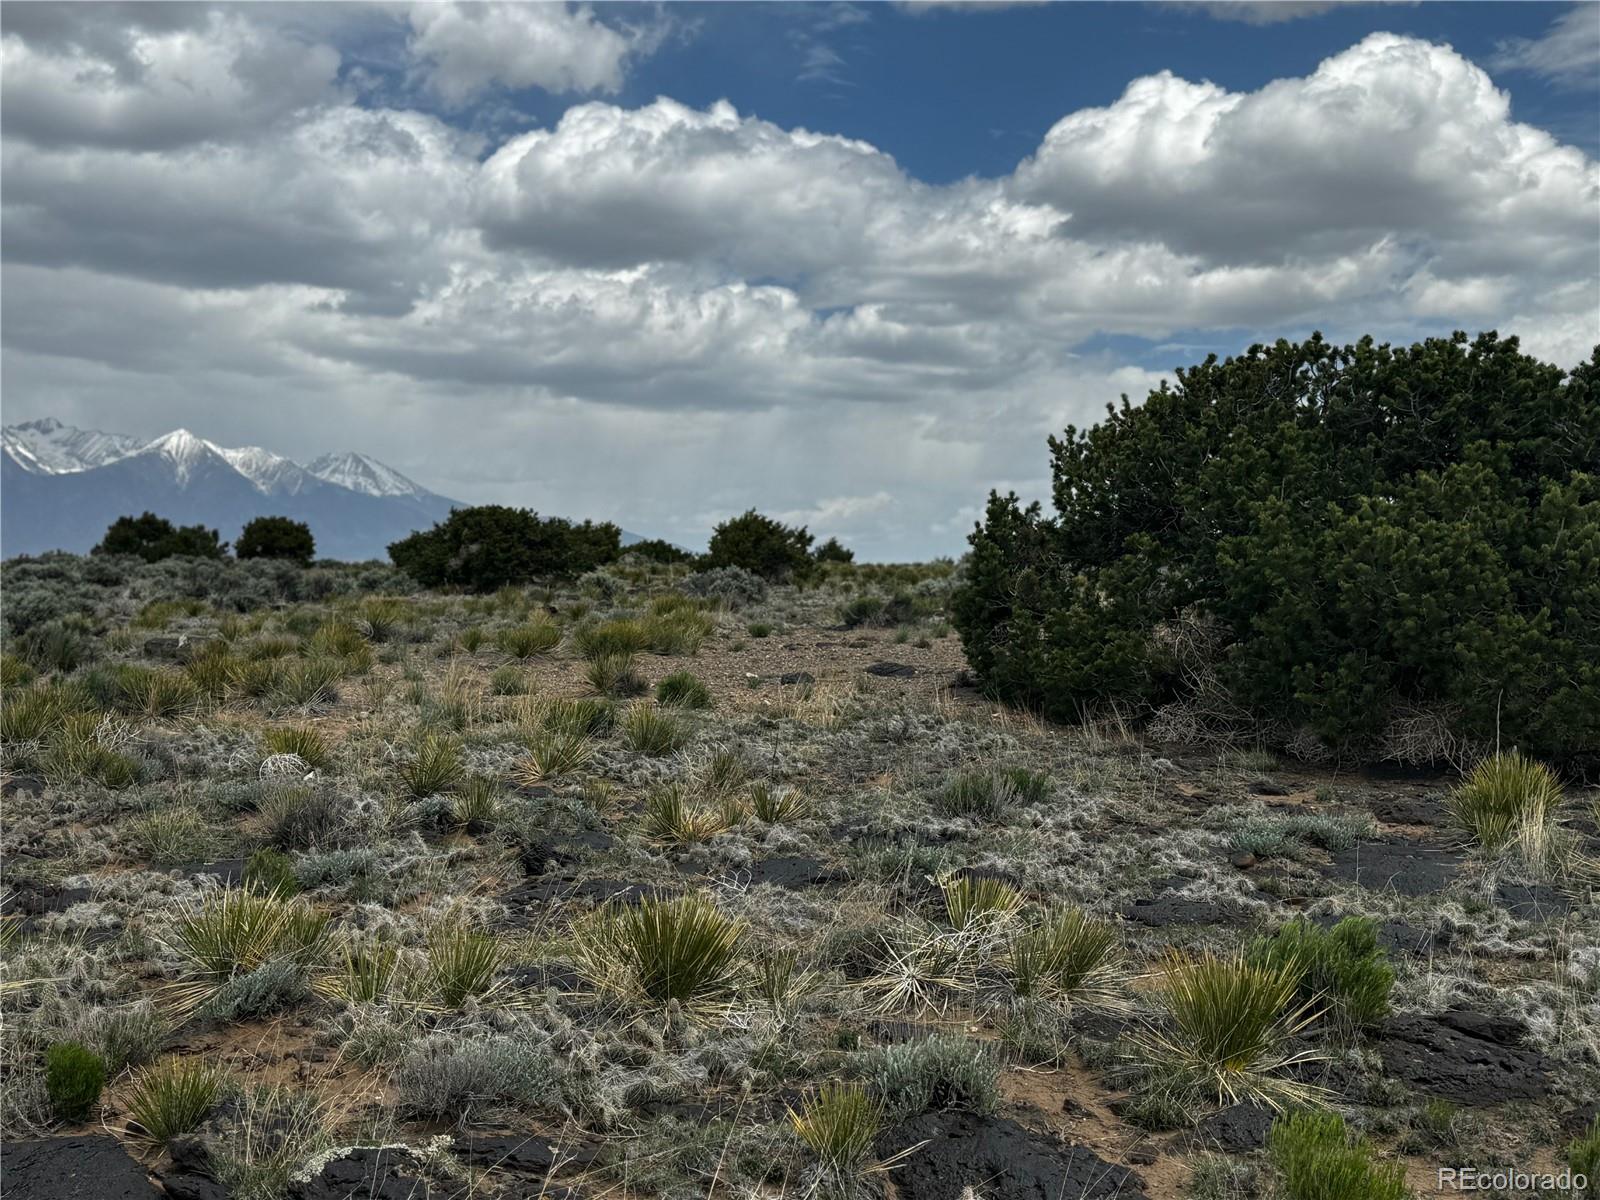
point(1000, 1160)
point(1166, 907)
point(1267, 787)
point(1416, 808)
point(587, 839)
point(1532, 901)
point(182, 1186)
point(22, 785)
point(892, 670)
point(791, 678)
point(1399, 938)
point(1410, 867)
point(94, 1167)
point(542, 976)
point(520, 1153)
point(34, 900)
point(227, 871)
point(790, 871)
point(1470, 1058)
point(370, 1174)
point(571, 887)
point(1236, 1129)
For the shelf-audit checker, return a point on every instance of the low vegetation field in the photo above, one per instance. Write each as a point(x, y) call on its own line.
point(680, 885)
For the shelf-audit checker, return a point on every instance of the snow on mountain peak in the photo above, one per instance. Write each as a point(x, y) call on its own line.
point(47, 447)
point(362, 474)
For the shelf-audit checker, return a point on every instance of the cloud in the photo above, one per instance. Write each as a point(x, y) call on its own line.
point(467, 49)
point(146, 77)
point(663, 314)
point(1568, 53)
point(1269, 12)
point(1395, 141)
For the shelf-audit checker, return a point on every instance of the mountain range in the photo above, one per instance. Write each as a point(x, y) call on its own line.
point(60, 487)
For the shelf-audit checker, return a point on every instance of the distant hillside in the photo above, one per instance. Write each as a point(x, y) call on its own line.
point(60, 487)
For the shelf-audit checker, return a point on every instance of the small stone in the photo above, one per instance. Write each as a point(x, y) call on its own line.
point(1242, 859)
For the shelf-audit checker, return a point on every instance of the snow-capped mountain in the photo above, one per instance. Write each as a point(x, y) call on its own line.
point(60, 487)
point(362, 474)
point(54, 448)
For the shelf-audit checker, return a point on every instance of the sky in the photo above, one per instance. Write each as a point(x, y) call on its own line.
point(849, 264)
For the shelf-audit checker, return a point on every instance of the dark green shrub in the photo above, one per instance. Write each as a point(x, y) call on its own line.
point(73, 1077)
point(490, 546)
point(769, 548)
point(660, 550)
point(1320, 1161)
point(1357, 531)
point(154, 538)
point(272, 871)
point(277, 537)
point(61, 645)
point(1340, 968)
point(832, 551)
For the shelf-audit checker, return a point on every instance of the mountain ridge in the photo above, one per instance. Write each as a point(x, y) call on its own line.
point(60, 487)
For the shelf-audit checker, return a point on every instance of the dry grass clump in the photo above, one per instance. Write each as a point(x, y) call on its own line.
point(531, 640)
point(778, 806)
point(1507, 802)
point(305, 743)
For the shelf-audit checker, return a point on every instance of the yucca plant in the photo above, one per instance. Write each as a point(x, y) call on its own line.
point(1319, 1160)
point(1066, 955)
point(304, 684)
point(838, 1124)
point(1506, 799)
point(269, 646)
point(552, 754)
point(31, 714)
point(1227, 1023)
point(85, 746)
point(436, 767)
point(682, 631)
point(615, 674)
point(662, 950)
point(974, 902)
point(214, 672)
point(669, 816)
point(381, 618)
point(234, 931)
point(611, 637)
point(336, 639)
point(365, 971)
point(172, 1097)
point(779, 980)
point(529, 640)
point(649, 731)
point(463, 962)
point(510, 680)
point(154, 694)
point(476, 807)
point(304, 743)
point(683, 689)
point(586, 715)
point(778, 806)
point(14, 673)
point(976, 795)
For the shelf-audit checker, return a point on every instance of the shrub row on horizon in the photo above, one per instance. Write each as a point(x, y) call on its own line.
point(488, 546)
